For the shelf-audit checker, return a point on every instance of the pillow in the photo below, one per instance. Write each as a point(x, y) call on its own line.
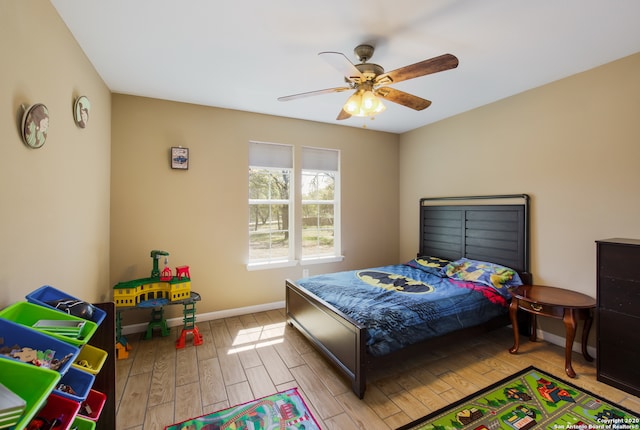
point(493, 275)
point(433, 265)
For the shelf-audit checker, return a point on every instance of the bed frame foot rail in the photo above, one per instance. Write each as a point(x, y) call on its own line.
point(336, 336)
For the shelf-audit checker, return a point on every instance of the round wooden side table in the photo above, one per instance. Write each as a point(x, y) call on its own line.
point(570, 306)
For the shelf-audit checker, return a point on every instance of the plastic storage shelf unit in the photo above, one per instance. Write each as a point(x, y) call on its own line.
point(46, 294)
point(29, 314)
point(75, 385)
point(14, 334)
point(33, 384)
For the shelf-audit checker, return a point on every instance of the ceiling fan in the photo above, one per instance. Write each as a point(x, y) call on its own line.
point(370, 82)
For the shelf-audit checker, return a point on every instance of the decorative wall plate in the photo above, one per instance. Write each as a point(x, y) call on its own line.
point(81, 109)
point(35, 125)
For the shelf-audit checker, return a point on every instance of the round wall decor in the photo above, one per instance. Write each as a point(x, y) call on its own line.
point(35, 125)
point(81, 110)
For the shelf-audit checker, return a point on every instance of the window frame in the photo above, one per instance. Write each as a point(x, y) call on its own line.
point(316, 160)
point(272, 157)
point(330, 165)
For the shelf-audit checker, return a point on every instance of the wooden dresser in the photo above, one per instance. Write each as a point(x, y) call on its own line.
point(618, 310)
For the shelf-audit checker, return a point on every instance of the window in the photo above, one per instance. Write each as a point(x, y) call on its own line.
point(272, 226)
point(270, 203)
point(320, 210)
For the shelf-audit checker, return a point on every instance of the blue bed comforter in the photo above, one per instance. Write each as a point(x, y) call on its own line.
point(400, 305)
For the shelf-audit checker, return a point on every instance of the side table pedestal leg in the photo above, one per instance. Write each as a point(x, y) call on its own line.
point(570, 326)
point(585, 336)
point(513, 315)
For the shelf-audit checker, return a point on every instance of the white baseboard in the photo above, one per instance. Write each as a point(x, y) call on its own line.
point(172, 322)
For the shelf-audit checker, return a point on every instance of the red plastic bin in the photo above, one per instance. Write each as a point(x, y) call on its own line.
point(95, 402)
point(57, 408)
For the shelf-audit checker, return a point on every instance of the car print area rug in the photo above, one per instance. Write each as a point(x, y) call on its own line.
point(283, 410)
point(529, 399)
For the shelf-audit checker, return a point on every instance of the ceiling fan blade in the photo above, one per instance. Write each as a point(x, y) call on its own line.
point(402, 98)
point(342, 64)
point(343, 115)
point(426, 67)
point(313, 93)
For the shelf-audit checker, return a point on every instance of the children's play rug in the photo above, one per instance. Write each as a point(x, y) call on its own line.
point(284, 410)
point(529, 399)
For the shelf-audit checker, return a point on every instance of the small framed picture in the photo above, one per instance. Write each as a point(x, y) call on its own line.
point(179, 157)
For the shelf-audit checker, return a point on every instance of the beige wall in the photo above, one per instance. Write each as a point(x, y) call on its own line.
point(573, 145)
point(54, 221)
point(200, 216)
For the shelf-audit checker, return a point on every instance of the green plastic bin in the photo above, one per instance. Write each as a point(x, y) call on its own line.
point(32, 383)
point(83, 424)
point(29, 314)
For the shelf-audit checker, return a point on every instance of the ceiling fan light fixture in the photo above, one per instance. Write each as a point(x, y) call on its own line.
point(370, 82)
point(364, 103)
point(352, 106)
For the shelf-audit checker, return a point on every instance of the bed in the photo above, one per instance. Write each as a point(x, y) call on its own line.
point(471, 249)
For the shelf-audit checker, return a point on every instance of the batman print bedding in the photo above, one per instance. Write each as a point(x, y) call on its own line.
point(424, 298)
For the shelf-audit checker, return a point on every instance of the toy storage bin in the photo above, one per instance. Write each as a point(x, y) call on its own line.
point(83, 424)
point(80, 382)
point(47, 293)
point(28, 314)
point(95, 402)
point(12, 333)
point(94, 357)
point(58, 408)
point(31, 383)
point(11, 407)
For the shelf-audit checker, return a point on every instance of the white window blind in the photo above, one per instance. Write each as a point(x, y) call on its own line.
point(326, 160)
point(270, 155)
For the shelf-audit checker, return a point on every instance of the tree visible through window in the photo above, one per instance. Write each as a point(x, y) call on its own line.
point(270, 204)
point(318, 204)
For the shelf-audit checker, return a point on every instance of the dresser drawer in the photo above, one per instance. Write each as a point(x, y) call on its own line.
point(620, 261)
point(618, 367)
point(620, 295)
point(618, 350)
point(620, 331)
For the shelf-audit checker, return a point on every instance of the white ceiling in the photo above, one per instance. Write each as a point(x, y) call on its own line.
point(244, 54)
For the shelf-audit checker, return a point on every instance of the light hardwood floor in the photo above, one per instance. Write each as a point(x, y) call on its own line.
point(254, 355)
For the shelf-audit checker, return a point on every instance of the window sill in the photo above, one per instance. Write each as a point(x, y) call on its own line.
point(291, 263)
point(274, 265)
point(321, 260)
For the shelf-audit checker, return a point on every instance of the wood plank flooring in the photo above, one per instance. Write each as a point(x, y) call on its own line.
point(254, 355)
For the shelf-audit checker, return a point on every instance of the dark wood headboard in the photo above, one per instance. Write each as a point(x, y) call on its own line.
point(452, 228)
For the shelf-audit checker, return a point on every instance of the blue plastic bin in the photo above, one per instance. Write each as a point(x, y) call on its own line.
point(77, 380)
point(47, 293)
point(28, 314)
point(13, 333)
